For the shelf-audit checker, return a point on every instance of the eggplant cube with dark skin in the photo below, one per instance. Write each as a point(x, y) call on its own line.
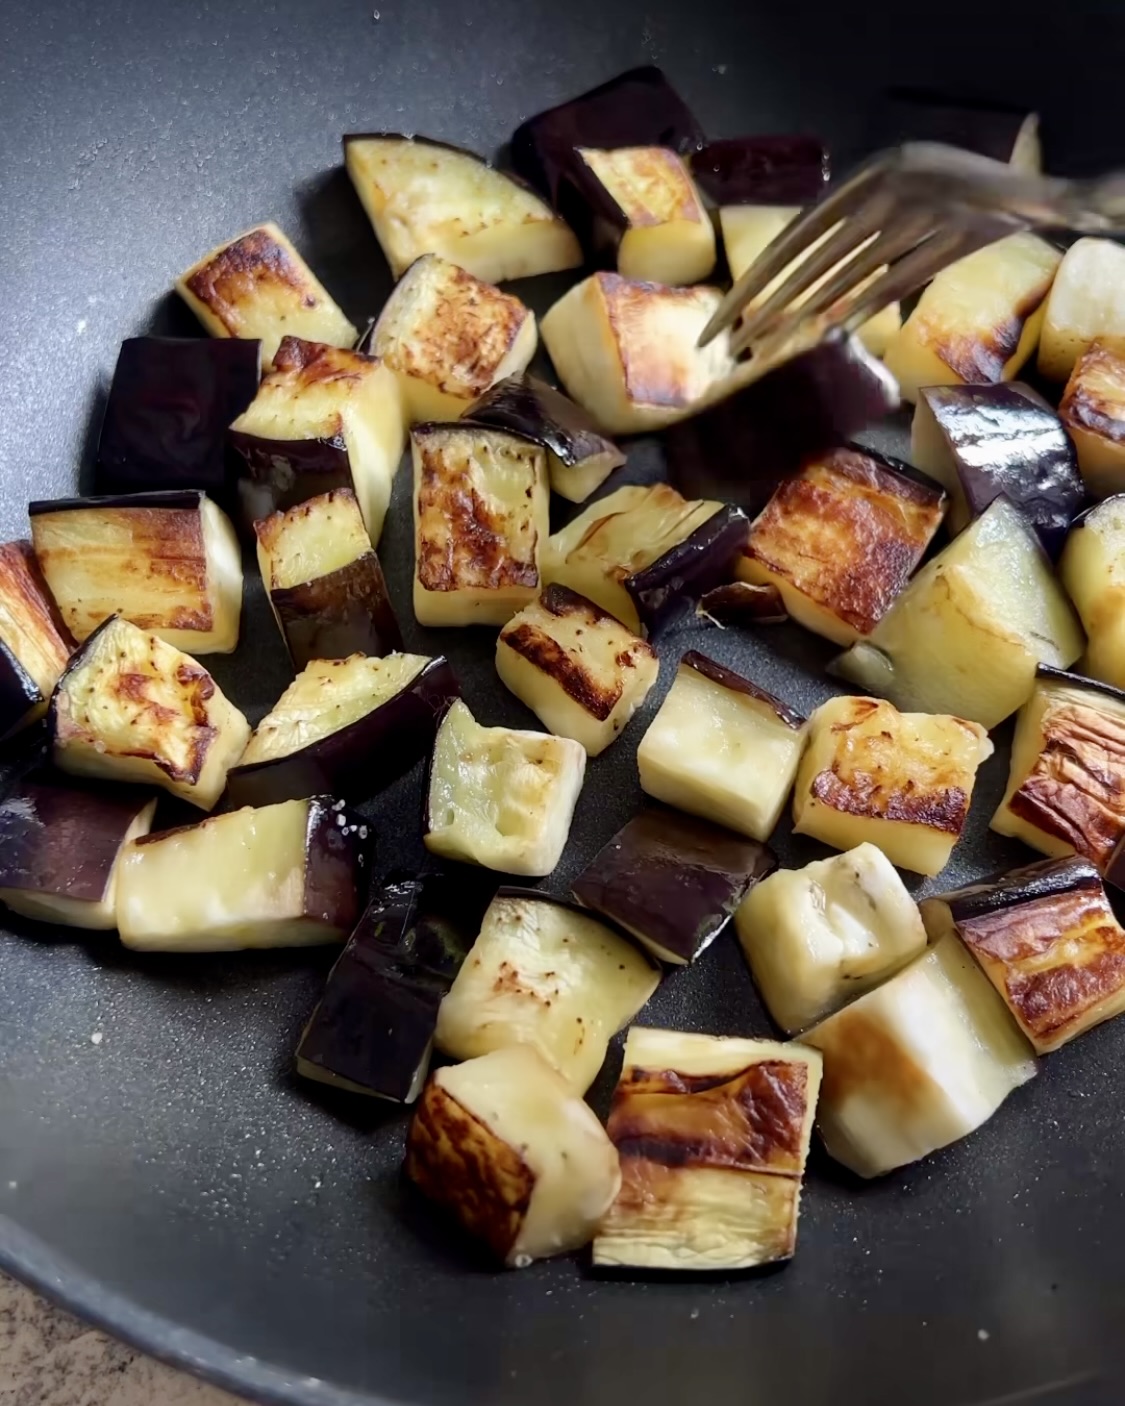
point(449, 337)
point(324, 581)
point(578, 669)
point(500, 797)
point(424, 197)
point(1047, 939)
point(169, 562)
point(507, 1147)
point(288, 875)
point(673, 881)
point(840, 540)
point(60, 844)
point(902, 781)
point(34, 643)
point(348, 726)
point(722, 748)
point(547, 974)
point(1092, 568)
point(324, 418)
point(130, 707)
point(1087, 304)
point(817, 937)
point(919, 1063)
point(740, 603)
point(713, 1133)
point(1092, 411)
point(481, 506)
point(763, 171)
point(1001, 131)
point(258, 286)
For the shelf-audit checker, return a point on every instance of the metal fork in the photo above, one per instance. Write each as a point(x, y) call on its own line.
point(901, 218)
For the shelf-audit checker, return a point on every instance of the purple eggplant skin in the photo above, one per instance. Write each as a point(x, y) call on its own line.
point(637, 108)
point(63, 838)
point(277, 474)
point(1031, 884)
point(740, 603)
point(19, 694)
point(1004, 440)
point(763, 170)
point(530, 409)
point(170, 405)
point(346, 612)
point(668, 590)
point(673, 881)
point(361, 759)
point(727, 678)
point(742, 447)
point(168, 500)
point(339, 849)
point(925, 115)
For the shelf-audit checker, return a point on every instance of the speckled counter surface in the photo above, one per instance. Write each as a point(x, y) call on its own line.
point(48, 1358)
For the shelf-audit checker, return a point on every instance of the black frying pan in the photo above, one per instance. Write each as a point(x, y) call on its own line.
point(174, 1182)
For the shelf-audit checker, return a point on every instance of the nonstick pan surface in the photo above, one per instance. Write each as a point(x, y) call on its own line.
point(171, 1180)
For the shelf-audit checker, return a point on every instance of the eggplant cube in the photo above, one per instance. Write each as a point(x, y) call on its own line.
point(323, 418)
point(257, 285)
point(289, 875)
point(672, 881)
point(546, 974)
point(817, 937)
point(722, 748)
point(34, 643)
point(507, 1146)
point(978, 321)
point(968, 633)
point(1092, 410)
point(1066, 787)
point(1002, 131)
point(628, 352)
point(449, 337)
point(916, 1064)
point(131, 707)
point(499, 797)
point(1092, 569)
point(346, 726)
point(481, 508)
point(1087, 304)
point(777, 169)
point(60, 846)
point(324, 581)
point(713, 1134)
point(168, 562)
point(840, 539)
point(579, 670)
point(900, 780)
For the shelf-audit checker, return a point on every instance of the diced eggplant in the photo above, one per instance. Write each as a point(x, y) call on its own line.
point(324, 582)
point(1092, 568)
point(546, 974)
point(902, 781)
point(506, 1145)
point(1003, 131)
point(288, 875)
point(978, 322)
point(817, 937)
point(345, 726)
point(1047, 939)
point(168, 562)
point(449, 337)
point(131, 707)
point(481, 520)
point(722, 748)
point(637, 108)
point(579, 670)
point(840, 539)
point(762, 170)
point(1087, 304)
point(646, 555)
point(628, 352)
point(170, 405)
point(425, 197)
point(982, 441)
point(969, 631)
point(713, 1133)
point(60, 845)
point(1092, 411)
point(672, 881)
point(499, 797)
point(34, 643)
point(1066, 787)
point(916, 1064)
point(324, 418)
point(579, 459)
point(257, 286)
point(742, 447)
point(373, 1029)
point(740, 603)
